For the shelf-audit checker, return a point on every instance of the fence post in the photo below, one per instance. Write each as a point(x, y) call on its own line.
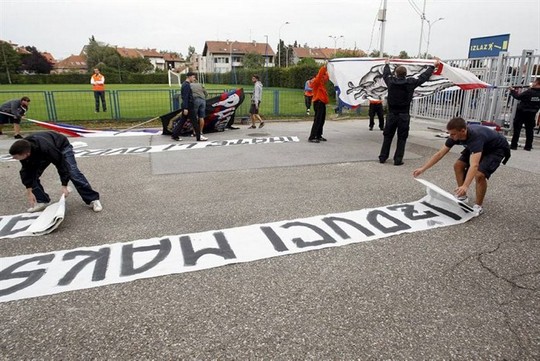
point(52, 113)
point(113, 97)
point(276, 102)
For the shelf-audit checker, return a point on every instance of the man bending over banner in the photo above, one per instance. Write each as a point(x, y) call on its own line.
point(484, 151)
point(36, 152)
point(400, 96)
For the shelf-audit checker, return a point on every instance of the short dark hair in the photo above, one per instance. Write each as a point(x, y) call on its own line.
point(256, 76)
point(26, 99)
point(457, 123)
point(401, 71)
point(190, 73)
point(20, 146)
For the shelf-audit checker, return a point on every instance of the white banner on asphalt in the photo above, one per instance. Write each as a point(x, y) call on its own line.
point(49, 273)
point(173, 147)
point(33, 224)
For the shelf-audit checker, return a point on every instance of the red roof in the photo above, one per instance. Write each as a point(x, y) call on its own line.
point(73, 62)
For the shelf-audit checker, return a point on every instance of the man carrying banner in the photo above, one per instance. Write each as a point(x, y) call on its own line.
point(13, 111)
point(188, 109)
point(400, 95)
point(484, 151)
point(36, 152)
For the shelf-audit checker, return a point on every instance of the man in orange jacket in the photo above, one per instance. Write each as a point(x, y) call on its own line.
point(320, 99)
point(98, 86)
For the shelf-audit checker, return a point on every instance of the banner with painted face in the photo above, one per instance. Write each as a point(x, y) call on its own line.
point(360, 79)
point(220, 112)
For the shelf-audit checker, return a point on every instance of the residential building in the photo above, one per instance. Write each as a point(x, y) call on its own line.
point(71, 64)
point(223, 56)
point(321, 55)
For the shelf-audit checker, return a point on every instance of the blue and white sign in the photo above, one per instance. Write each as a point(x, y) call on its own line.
point(488, 46)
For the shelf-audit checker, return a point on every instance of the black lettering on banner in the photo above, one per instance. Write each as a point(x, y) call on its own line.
point(373, 216)
point(10, 229)
point(216, 143)
point(140, 150)
point(300, 243)
point(443, 211)
point(127, 269)
point(411, 213)
point(117, 151)
point(169, 147)
point(191, 257)
point(331, 222)
point(276, 241)
point(31, 277)
point(101, 258)
point(259, 140)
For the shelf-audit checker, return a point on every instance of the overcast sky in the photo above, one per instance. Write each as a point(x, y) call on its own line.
point(63, 27)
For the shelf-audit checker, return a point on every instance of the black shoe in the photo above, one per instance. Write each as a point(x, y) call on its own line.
point(370, 128)
point(381, 129)
point(166, 132)
point(18, 136)
point(313, 140)
point(322, 139)
point(513, 148)
point(398, 162)
point(527, 149)
point(231, 127)
point(175, 138)
point(382, 160)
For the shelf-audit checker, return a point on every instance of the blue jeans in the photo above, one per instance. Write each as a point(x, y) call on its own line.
point(78, 179)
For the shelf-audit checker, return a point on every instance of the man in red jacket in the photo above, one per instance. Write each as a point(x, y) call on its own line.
point(320, 99)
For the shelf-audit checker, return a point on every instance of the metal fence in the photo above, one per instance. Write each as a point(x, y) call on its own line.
point(491, 104)
point(78, 105)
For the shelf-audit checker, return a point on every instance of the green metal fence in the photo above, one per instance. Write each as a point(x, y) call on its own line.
point(78, 105)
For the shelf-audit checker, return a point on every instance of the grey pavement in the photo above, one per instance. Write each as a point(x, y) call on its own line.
point(465, 292)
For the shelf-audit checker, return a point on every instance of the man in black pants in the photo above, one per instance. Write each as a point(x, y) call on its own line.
point(525, 114)
point(400, 95)
point(188, 109)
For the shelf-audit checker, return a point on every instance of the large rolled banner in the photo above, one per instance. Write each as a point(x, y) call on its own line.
point(33, 224)
point(49, 273)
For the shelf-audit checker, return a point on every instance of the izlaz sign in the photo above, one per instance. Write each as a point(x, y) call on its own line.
point(488, 46)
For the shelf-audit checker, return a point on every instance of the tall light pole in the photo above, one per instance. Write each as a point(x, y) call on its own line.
point(231, 57)
point(279, 43)
point(335, 37)
point(422, 18)
point(382, 19)
point(430, 24)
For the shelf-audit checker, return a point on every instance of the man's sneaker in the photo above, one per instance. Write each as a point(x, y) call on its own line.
point(252, 127)
point(203, 139)
point(261, 125)
point(17, 136)
point(176, 138)
point(463, 199)
point(38, 207)
point(96, 206)
point(479, 210)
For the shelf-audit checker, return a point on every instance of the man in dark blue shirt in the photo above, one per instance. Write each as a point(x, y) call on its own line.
point(484, 151)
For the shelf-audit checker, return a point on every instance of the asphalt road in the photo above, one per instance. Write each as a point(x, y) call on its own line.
point(465, 292)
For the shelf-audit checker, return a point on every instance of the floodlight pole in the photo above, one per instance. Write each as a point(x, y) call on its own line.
point(279, 42)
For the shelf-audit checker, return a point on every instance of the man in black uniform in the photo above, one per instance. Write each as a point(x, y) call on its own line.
point(400, 95)
point(484, 151)
point(36, 152)
point(529, 103)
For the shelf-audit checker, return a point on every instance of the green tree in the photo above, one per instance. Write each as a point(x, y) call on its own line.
point(253, 61)
point(10, 61)
point(403, 55)
point(98, 55)
point(191, 51)
point(307, 62)
point(137, 65)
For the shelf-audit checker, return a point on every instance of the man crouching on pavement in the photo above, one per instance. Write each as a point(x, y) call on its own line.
point(36, 152)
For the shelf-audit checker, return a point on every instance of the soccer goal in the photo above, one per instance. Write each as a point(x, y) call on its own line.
point(174, 78)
